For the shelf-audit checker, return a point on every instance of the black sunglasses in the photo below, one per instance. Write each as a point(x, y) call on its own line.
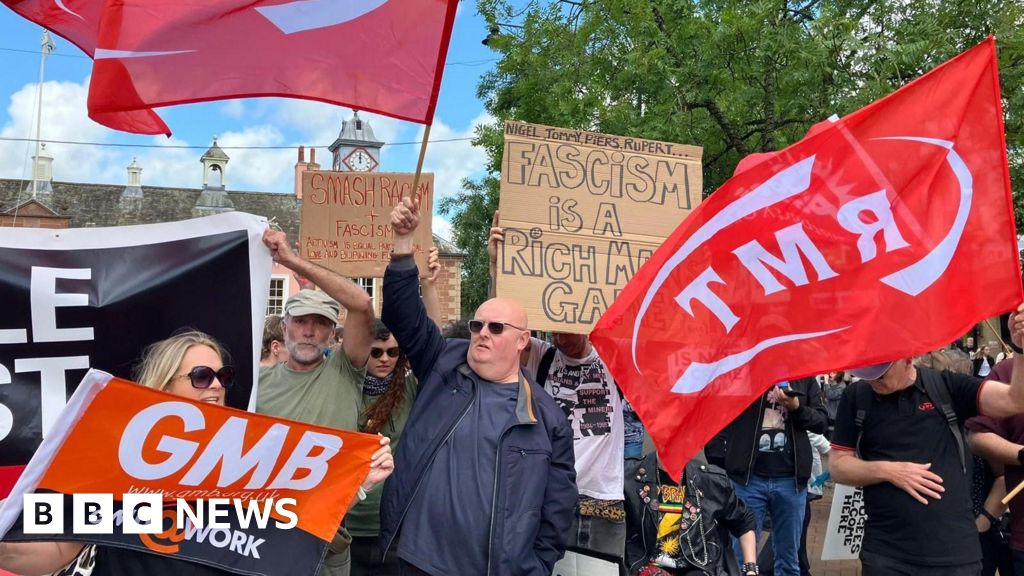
point(202, 376)
point(496, 328)
point(378, 352)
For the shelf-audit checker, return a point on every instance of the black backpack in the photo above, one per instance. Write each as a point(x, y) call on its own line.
point(937, 391)
point(545, 366)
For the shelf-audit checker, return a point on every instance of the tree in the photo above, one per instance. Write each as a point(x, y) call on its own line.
point(732, 76)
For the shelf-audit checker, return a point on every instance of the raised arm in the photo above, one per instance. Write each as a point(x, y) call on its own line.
point(355, 300)
point(428, 285)
point(494, 243)
point(403, 311)
point(997, 399)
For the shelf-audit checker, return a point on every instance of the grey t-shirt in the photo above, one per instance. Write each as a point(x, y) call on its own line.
point(449, 520)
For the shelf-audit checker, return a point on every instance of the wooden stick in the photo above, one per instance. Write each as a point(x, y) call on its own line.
point(1014, 492)
point(997, 333)
point(419, 163)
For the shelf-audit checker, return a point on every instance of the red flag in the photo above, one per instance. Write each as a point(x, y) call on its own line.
point(78, 21)
point(882, 235)
point(383, 56)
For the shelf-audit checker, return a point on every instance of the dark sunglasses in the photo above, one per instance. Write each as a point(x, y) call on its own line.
point(378, 352)
point(202, 376)
point(496, 328)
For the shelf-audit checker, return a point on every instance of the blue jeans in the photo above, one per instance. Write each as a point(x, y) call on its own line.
point(780, 498)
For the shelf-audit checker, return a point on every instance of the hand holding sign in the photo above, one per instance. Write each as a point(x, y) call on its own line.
point(277, 242)
point(433, 265)
point(404, 220)
point(382, 464)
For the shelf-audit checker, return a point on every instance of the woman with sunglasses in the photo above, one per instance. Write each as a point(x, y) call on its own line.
point(389, 389)
point(191, 365)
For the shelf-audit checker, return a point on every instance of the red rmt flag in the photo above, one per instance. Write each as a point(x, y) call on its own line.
point(383, 56)
point(879, 236)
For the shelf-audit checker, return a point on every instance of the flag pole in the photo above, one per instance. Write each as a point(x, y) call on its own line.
point(1013, 493)
point(419, 163)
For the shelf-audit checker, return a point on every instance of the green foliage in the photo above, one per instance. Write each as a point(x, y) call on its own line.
point(733, 76)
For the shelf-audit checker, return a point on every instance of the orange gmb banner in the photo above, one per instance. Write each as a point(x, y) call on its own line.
point(133, 439)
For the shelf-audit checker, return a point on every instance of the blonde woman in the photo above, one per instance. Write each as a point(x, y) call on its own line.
point(189, 364)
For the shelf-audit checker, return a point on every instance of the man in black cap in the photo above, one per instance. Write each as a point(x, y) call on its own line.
point(899, 435)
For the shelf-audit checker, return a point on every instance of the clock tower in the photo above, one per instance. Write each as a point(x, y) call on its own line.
point(356, 149)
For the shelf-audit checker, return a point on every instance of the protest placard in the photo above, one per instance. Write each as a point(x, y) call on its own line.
point(845, 533)
point(263, 495)
point(582, 212)
point(345, 221)
point(96, 297)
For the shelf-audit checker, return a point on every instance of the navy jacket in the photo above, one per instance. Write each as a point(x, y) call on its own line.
point(535, 488)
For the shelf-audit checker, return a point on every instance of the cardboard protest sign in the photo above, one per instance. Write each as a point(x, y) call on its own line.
point(582, 212)
point(117, 437)
point(845, 533)
point(98, 296)
point(346, 220)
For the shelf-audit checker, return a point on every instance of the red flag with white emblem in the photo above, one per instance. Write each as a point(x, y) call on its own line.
point(881, 235)
point(383, 56)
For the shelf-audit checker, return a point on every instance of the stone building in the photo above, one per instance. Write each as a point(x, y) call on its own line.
point(75, 205)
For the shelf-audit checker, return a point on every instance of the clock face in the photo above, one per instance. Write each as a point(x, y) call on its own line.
point(360, 161)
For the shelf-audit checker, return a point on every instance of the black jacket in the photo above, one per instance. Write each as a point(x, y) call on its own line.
point(742, 433)
point(535, 489)
point(718, 502)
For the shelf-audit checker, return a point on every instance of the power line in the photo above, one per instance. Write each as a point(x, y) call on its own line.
point(189, 147)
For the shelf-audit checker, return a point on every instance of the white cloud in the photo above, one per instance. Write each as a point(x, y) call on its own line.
point(233, 109)
point(261, 170)
point(64, 118)
point(442, 227)
point(453, 161)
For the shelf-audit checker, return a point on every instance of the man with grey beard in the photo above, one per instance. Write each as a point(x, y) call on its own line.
point(310, 387)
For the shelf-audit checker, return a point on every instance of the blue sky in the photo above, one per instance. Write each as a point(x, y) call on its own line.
point(249, 122)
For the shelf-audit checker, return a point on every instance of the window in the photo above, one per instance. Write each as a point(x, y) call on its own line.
point(367, 284)
point(278, 294)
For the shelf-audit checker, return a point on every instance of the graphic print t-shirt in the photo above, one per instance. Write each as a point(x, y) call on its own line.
point(774, 449)
point(586, 392)
point(680, 546)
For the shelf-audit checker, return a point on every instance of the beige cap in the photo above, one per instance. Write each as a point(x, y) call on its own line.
point(308, 302)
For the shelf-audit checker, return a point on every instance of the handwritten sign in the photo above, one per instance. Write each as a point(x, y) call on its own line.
point(582, 212)
point(345, 220)
point(845, 533)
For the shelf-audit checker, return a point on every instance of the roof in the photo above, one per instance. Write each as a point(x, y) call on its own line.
point(95, 205)
point(215, 153)
point(355, 130)
point(98, 205)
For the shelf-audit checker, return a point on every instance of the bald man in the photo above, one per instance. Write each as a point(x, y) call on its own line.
point(484, 480)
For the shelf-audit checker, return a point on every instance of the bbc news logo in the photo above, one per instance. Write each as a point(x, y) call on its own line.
point(144, 514)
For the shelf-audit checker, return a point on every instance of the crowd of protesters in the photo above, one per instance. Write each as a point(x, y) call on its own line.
point(509, 449)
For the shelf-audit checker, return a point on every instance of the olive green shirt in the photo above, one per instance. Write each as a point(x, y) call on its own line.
point(332, 396)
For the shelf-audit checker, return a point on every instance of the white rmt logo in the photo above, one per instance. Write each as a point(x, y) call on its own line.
point(796, 247)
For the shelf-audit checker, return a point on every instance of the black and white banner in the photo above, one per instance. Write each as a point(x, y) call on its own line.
point(96, 297)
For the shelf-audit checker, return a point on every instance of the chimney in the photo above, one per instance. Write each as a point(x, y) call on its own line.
point(300, 167)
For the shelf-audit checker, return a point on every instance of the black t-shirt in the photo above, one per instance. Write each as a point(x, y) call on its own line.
point(774, 444)
point(908, 427)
